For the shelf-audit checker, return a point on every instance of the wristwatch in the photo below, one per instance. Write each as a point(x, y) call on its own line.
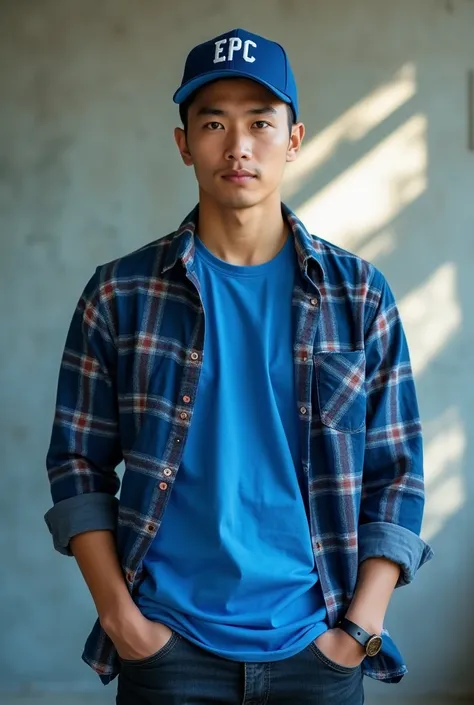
point(372, 643)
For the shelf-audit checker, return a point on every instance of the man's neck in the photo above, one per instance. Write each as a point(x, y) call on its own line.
point(246, 236)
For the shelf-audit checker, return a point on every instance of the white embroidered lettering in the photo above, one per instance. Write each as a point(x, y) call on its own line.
point(235, 44)
point(219, 55)
point(248, 43)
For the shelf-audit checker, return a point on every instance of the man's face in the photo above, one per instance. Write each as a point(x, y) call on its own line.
point(238, 142)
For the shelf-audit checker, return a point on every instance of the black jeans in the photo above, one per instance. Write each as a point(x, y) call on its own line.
point(183, 674)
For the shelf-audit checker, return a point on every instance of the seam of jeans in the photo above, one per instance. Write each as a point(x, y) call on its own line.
point(267, 682)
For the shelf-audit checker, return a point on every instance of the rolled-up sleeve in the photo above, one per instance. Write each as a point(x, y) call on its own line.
point(393, 493)
point(397, 544)
point(76, 515)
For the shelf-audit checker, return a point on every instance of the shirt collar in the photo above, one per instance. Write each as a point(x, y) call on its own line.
point(182, 242)
point(308, 248)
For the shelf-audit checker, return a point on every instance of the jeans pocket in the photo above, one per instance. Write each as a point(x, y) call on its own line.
point(337, 667)
point(340, 381)
point(154, 658)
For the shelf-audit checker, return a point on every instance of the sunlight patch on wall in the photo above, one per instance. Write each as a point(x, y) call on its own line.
point(431, 314)
point(379, 246)
point(366, 197)
point(351, 126)
point(443, 503)
point(444, 454)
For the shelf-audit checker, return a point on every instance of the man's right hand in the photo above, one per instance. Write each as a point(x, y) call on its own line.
point(136, 637)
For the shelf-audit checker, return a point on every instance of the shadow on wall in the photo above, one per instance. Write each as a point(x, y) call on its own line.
point(360, 182)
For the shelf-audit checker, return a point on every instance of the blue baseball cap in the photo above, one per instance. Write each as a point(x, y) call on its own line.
point(240, 54)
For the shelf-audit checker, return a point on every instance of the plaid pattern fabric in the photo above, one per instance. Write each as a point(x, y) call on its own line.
point(128, 382)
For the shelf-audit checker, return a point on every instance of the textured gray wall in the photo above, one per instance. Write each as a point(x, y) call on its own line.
point(89, 171)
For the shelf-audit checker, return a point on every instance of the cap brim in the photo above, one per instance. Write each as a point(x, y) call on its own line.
point(188, 88)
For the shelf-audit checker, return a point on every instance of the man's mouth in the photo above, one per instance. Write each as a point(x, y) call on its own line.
point(238, 176)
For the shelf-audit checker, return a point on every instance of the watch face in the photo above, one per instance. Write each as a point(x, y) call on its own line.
point(373, 646)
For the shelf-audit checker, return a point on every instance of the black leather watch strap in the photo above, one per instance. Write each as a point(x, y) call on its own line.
point(372, 643)
point(355, 631)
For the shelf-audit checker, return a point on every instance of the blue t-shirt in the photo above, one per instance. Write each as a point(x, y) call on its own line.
point(240, 580)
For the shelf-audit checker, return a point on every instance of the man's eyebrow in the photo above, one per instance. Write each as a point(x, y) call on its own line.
point(207, 110)
point(266, 110)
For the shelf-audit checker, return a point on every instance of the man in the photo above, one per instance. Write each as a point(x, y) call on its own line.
point(256, 381)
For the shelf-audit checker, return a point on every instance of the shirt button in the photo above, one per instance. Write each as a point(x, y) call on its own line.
point(163, 486)
point(167, 472)
point(183, 415)
point(303, 410)
point(129, 576)
point(314, 302)
point(186, 399)
point(194, 356)
point(178, 440)
point(150, 528)
point(318, 546)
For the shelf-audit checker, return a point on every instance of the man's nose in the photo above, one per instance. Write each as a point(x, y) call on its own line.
point(238, 146)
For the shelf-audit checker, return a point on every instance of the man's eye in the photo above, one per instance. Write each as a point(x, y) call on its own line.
point(261, 124)
point(213, 126)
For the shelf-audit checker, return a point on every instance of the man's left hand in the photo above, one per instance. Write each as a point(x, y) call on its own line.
point(340, 648)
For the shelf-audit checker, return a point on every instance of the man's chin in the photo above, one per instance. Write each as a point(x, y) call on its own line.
point(241, 199)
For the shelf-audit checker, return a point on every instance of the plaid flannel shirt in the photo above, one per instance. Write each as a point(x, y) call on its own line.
point(127, 386)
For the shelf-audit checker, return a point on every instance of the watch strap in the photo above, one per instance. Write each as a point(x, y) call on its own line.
point(356, 632)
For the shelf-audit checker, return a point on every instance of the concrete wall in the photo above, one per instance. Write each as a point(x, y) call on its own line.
point(89, 171)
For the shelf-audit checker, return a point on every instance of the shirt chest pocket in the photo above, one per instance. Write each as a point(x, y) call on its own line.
point(340, 386)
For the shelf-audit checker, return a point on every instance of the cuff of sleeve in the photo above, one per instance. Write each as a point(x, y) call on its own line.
point(397, 544)
point(96, 511)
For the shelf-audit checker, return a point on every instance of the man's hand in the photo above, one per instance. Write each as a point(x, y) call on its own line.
point(136, 637)
point(340, 647)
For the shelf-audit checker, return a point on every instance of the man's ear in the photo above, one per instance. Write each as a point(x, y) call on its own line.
point(296, 138)
point(182, 142)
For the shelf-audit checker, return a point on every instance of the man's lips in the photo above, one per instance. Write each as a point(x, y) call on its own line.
point(239, 176)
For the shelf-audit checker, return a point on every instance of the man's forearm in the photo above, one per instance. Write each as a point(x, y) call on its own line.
point(375, 585)
point(134, 636)
point(96, 554)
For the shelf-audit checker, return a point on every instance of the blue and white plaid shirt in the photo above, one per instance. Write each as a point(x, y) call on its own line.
point(127, 387)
